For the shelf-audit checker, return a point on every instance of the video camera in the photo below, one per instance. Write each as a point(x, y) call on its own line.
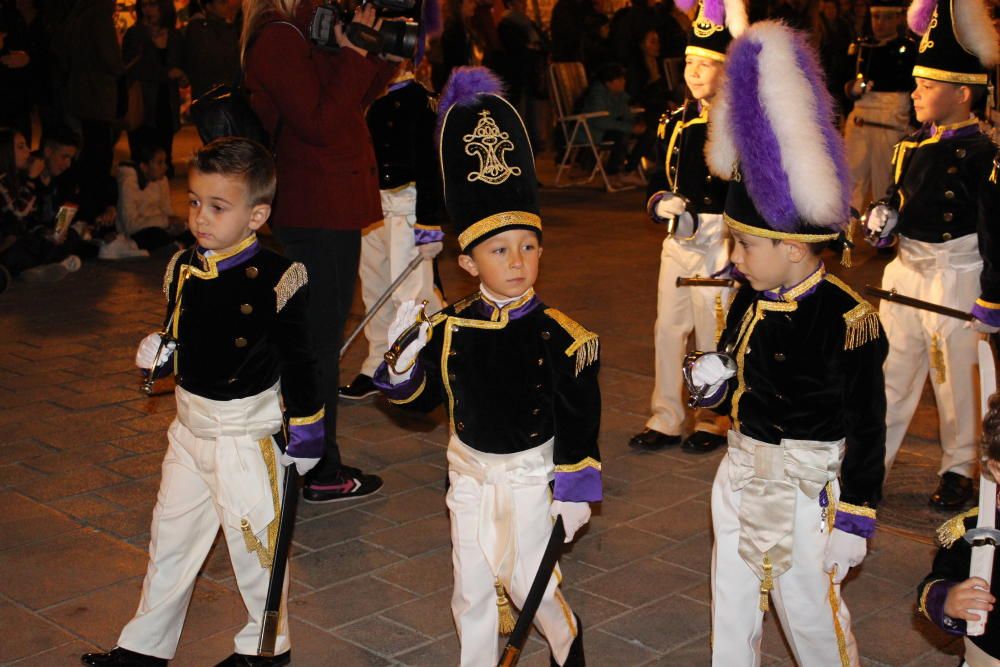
point(398, 37)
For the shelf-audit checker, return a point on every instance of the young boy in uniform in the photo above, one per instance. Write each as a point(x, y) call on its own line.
point(243, 364)
point(942, 210)
point(800, 367)
point(518, 380)
point(688, 200)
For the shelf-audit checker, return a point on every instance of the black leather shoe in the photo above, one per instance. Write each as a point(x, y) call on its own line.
point(703, 442)
point(575, 657)
point(650, 440)
point(953, 493)
point(241, 660)
point(360, 388)
point(122, 657)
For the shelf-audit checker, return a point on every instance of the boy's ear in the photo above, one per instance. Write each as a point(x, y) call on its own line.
point(469, 264)
point(964, 94)
point(796, 251)
point(259, 215)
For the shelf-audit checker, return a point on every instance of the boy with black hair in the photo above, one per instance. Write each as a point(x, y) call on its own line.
point(518, 380)
point(942, 209)
point(238, 346)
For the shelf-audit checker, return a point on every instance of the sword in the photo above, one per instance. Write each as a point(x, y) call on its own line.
point(984, 536)
point(276, 584)
point(698, 281)
point(896, 297)
point(515, 643)
point(381, 301)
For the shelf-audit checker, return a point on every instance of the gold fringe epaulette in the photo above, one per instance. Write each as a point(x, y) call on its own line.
point(720, 317)
point(465, 302)
point(168, 277)
point(291, 281)
point(586, 344)
point(953, 529)
point(862, 321)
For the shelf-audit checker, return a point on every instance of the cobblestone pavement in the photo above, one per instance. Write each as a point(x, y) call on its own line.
point(80, 450)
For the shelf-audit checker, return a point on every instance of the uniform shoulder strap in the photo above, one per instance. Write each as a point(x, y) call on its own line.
point(861, 322)
point(586, 344)
point(953, 529)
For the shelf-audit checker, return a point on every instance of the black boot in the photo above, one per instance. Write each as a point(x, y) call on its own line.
point(121, 657)
point(651, 441)
point(953, 492)
point(242, 660)
point(703, 442)
point(575, 657)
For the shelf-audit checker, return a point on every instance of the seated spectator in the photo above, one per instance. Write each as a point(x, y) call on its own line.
point(144, 212)
point(607, 93)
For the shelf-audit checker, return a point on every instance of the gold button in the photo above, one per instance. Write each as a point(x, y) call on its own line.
point(252, 272)
point(452, 353)
point(708, 179)
point(451, 377)
point(948, 216)
point(454, 328)
point(546, 335)
point(778, 356)
point(246, 309)
point(459, 427)
point(707, 201)
point(538, 387)
point(948, 194)
point(960, 153)
point(946, 236)
point(241, 342)
point(536, 412)
point(952, 170)
point(533, 436)
point(541, 362)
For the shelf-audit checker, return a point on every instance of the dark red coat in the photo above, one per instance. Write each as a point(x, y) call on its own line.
point(326, 163)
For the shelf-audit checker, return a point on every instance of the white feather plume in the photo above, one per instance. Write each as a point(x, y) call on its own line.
point(736, 16)
point(975, 31)
point(720, 149)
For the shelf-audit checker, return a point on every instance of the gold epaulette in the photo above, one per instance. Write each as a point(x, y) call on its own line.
point(953, 529)
point(661, 128)
point(586, 344)
point(168, 277)
point(862, 322)
point(291, 281)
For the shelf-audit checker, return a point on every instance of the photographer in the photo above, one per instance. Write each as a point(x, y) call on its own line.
point(312, 101)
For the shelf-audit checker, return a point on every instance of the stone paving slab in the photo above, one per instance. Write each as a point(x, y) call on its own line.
point(80, 453)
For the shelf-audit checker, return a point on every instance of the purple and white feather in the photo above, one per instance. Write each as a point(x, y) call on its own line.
point(463, 87)
point(975, 31)
point(918, 15)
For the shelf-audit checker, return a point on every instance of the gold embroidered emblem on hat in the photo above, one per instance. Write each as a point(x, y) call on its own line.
point(489, 144)
point(702, 27)
point(926, 42)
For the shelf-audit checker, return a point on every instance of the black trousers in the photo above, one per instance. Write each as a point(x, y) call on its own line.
point(97, 186)
point(331, 259)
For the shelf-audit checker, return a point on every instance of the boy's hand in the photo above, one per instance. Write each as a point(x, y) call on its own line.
point(963, 598)
point(301, 465)
point(406, 316)
point(670, 206)
point(843, 551)
point(710, 371)
point(575, 516)
point(146, 354)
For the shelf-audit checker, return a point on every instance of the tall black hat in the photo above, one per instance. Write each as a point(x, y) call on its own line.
point(959, 43)
point(877, 6)
point(715, 25)
point(486, 159)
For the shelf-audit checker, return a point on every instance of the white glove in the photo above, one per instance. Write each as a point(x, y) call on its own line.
point(709, 370)
point(575, 516)
point(430, 250)
point(302, 465)
point(981, 327)
point(843, 551)
point(685, 226)
point(670, 206)
point(146, 354)
point(405, 316)
point(880, 221)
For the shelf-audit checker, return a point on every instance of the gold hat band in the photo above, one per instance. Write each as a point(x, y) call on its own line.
point(491, 223)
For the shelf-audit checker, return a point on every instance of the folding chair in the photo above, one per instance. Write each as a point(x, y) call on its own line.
point(568, 82)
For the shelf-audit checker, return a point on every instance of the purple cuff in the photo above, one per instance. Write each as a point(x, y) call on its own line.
point(651, 206)
point(933, 607)
point(985, 314)
point(306, 441)
point(855, 523)
point(425, 235)
point(715, 398)
point(579, 486)
point(882, 242)
point(403, 392)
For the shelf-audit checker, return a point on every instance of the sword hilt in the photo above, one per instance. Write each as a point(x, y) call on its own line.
point(404, 340)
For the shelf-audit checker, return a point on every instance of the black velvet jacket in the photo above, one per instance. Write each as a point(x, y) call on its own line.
point(680, 146)
point(810, 368)
point(241, 325)
point(951, 566)
point(888, 66)
point(511, 378)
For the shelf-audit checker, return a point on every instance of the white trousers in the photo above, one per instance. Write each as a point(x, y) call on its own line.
point(386, 249)
point(922, 342)
point(812, 613)
point(681, 311)
point(525, 510)
point(869, 149)
point(977, 657)
point(186, 519)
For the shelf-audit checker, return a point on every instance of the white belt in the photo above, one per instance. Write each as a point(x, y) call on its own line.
point(499, 475)
point(243, 478)
point(961, 254)
point(769, 476)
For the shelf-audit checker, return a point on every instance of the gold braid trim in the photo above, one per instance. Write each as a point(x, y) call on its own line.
point(862, 325)
point(856, 510)
point(168, 277)
point(937, 360)
point(953, 529)
point(922, 605)
point(720, 317)
point(504, 610)
point(845, 659)
point(586, 345)
point(766, 584)
point(265, 554)
point(589, 462)
point(291, 280)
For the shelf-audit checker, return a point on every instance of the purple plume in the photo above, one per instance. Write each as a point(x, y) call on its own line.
point(685, 5)
point(464, 86)
point(918, 16)
point(756, 143)
point(715, 11)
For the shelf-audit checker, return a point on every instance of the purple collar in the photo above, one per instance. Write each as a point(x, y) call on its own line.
point(233, 257)
point(799, 291)
point(512, 311)
point(966, 128)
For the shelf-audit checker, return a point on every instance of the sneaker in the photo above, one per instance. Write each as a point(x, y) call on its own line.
point(46, 273)
point(120, 248)
point(353, 484)
point(361, 387)
point(72, 263)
